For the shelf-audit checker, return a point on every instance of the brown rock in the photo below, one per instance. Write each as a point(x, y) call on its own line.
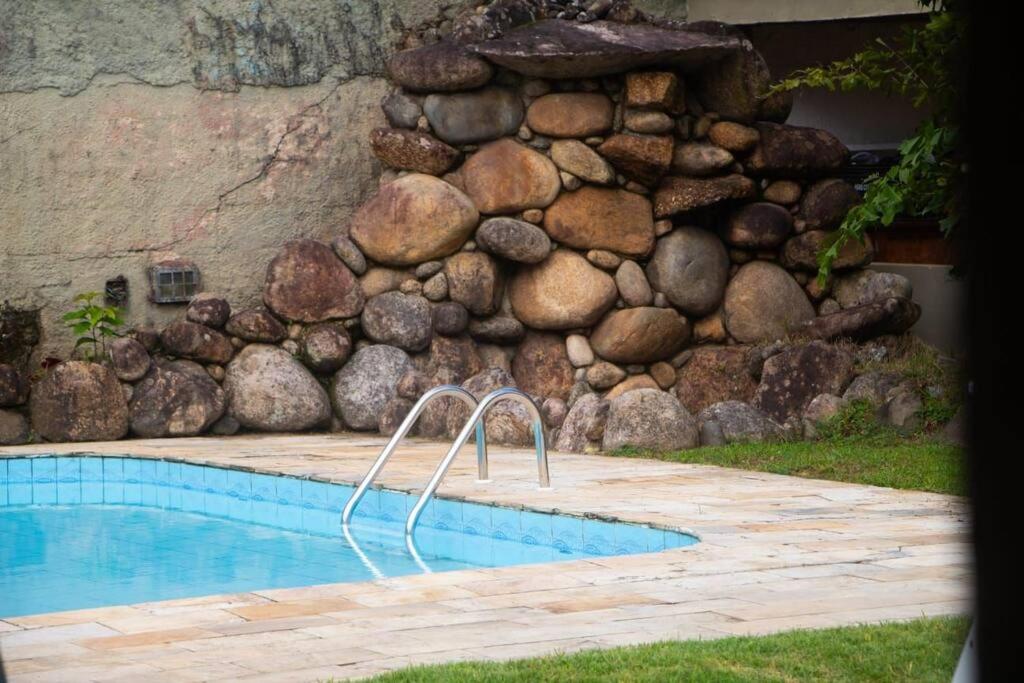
point(700, 159)
point(450, 318)
point(14, 429)
point(256, 325)
point(79, 401)
point(414, 219)
point(307, 283)
point(795, 151)
point(733, 87)
point(648, 122)
point(14, 386)
point(664, 374)
point(604, 375)
point(442, 66)
point(455, 358)
point(562, 292)
point(128, 359)
point(644, 158)
point(378, 280)
point(208, 309)
point(412, 150)
point(393, 414)
point(475, 282)
point(763, 303)
point(325, 347)
point(570, 115)
point(583, 162)
point(826, 203)
point(499, 329)
point(790, 380)
point(734, 137)
point(801, 251)
point(398, 319)
point(659, 90)
point(506, 177)
point(759, 225)
point(632, 384)
point(714, 374)
point(886, 316)
point(640, 335)
point(677, 194)
point(541, 366)
point(196, 342)
point(598, 218)
point(784, 192)
point(175, 398)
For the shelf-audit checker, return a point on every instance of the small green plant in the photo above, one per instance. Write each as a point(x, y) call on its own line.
point(93, 324)
point(855, 421)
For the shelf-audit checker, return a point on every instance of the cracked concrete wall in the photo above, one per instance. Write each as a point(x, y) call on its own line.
point(208, 129)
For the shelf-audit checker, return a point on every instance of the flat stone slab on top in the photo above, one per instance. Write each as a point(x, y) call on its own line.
point(562, 49)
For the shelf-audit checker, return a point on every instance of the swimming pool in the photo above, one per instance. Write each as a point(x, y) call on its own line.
point(79, 531)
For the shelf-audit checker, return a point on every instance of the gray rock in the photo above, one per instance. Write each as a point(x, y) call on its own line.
point(578, 348)
point(128, 359)
point(497, 330)
point(269, 390)
point(450, 318)
point(400, 110)
point(362, 388)
point(398, 320)
point(711, 433)
point(554, 411)
point(256, 325)
point(325, 347)
point(584, 424)
point(826, 203)
point(176, 398)
point(513, 239)
point(791, 379)
point(14, 386)
point(865, 286)
point(633, 286)
point(904, 409)
point(14, 429)
point(507, 422)
point(349, 254)
point(649, 418)
point(884, 317)
point(436, 288)
point(79, 401)
point(691, 267)
point(394, 412)
point(822, 408)
point(738, 422)
point(473, 117)
point(225, 426)
point(208, 309)
point(196, 342)
point(872, 387)
point(428, 269)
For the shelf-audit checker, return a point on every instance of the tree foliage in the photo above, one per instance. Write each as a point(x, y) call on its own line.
point(929, 179)
point(93, 324)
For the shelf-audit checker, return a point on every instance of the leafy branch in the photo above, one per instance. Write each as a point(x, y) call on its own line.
point(93, 324)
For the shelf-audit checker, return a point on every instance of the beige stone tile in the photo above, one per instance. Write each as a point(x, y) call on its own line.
point(146, 638)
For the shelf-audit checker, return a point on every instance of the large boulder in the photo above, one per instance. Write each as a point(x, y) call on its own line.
point(793, 151)
point(413, 219)
point(513, 239)
point(570, 115)
point(362, 388)
point(562, 292)
point(128, 359)
point(556, 48)
point(640, 335)
point(79, 401)
point(541, 366)
point(577, 158)
point(734, 86)
point(474, 281)
point(583, 427)
point(826, 203)
point(649, 418)
point(398, 319)
point(865, 286)
point(412, 150)
point(763, 303)
point(269, 390)
point(306, 282)
point(801, 251)
point(256, 325)
point(208, 309)
point(759, 225)
point(325, 347)
point(442, 66)
point(678, 194)
point(644, 158)
point(196, 342)
point(472, 117)
point(507, 422)
point(885, 316)
point(176, 398)
point(691, 267)
point(713, 375)
point(791, 379)
point(14, 429)
point(14, 386)
point(507, 177)
point(736, 422)
point(599, 218)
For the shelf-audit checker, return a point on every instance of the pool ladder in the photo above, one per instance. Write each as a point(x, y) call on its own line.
point(475, 423)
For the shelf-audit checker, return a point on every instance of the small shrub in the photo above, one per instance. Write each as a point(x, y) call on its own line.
point(856, 420)
point(93, 324)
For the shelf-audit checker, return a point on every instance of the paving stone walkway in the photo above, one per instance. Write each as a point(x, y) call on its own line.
point(776, 553)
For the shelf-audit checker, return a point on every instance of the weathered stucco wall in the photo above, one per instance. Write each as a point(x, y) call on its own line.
point(209, 129)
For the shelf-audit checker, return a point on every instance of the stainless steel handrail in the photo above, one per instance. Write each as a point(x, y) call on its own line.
point(543, 476)
point(403, 429)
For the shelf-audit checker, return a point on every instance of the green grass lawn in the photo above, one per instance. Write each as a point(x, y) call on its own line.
point(921, 650)
point(916, 463)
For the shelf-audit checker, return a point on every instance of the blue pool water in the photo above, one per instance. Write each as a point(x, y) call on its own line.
point(79, 532)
